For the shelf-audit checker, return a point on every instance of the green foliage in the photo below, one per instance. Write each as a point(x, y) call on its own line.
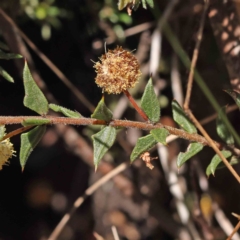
point(134, 4)
point(216, 160)
point(102, 112)
point(34, 98)
point(223, 131)
point(8, 56)
point(192, 150)
point(180, 117)
point(102, 141)
point(46, 13)
point(29, 141)
point(66, 112)
point(160, 135)
point(143, 144)
point(6, 75)
point(235, 95)
point(35, 121)
point(150, 104)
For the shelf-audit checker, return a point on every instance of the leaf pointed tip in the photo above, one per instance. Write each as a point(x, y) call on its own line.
point(95, 168)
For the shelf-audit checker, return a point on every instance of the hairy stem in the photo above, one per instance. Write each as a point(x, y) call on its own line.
point(114, 123)
point(137, 108)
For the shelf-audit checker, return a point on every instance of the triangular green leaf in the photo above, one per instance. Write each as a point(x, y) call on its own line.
point(8, 56)
point(29, 141)
point(143, 144)
point(235, 95)
point(180, 117)
point(150, 104)
point(233, 161)
point(216, 160)
point(6, 75)
point(223, 131)
point(192, 150)
point(123, 3)
point(35, 121)
point(102, 141)
point(2, 131)
point(150, 3)
point(66, 112)
point(144, 4)
point(160, 135)
point(34, 98)
point(102, 112)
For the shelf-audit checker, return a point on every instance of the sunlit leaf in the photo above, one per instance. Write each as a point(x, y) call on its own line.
point(102, 141)
point(144, 4)
point(66, 112)
point(102, 112)
point(35, 121)
point(123, 3)
point(29, 141)
point(8, 56)
point(223, 131)
point(216, 160)
point(235, 95)
point(150, 104)
point(34, 98)
point(192, 150)
point(6, 75)
point(180, 117)
point(143, 144)
point(150, 3)
point(160, 135)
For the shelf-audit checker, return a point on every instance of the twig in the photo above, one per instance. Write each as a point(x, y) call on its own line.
point(113, 123)
point(115, 233)
point(137, 108)
point(234, 231)
point(213, 145)
point(195, 56)
point(58, 229)
point(16, 132)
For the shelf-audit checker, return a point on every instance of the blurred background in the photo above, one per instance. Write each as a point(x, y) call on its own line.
point(163, 203)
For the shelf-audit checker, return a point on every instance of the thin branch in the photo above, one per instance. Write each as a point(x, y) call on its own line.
point(213, 145)
point(195, 56)
point(137, 108)
point(58, 229)
point(115, 233)
point(16, 132)
point(234, 231)
point(113, 123)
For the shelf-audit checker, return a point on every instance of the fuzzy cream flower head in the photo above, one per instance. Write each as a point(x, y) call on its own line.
point(6, 148)
point(117, 71)
point(6, 152)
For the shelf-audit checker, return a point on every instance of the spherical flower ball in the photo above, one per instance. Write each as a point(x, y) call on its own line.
point(117, 71)
point(6, 152)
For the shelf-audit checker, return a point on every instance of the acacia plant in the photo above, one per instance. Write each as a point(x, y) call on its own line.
point(116, 72)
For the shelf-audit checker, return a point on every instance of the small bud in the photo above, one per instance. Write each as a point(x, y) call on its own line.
point(117, 71)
